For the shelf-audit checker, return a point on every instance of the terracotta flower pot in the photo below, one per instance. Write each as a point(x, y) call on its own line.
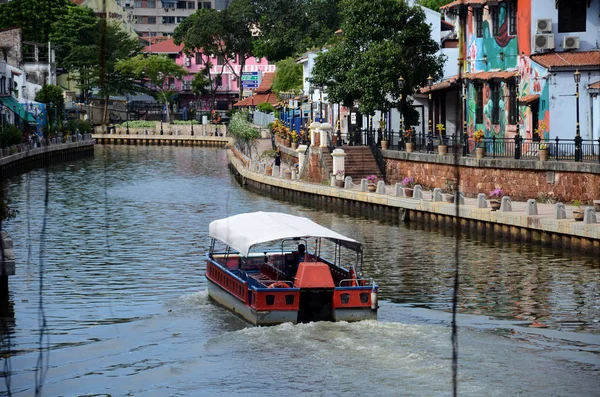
point(372, 187)
point(339, 182)
point(495, 204)
point(578, 215)
point(442, 150)
point(385, 144)
point(410, 147)
point(408, 192)
point(543, 153)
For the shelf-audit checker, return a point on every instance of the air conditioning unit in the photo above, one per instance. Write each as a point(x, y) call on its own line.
point(543, 42)
point(188, 62)
point(543, 25)
point(571, 43)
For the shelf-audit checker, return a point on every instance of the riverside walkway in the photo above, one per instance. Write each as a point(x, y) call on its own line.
point(544, 223)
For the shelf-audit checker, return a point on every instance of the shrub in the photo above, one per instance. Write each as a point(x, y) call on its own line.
point(266, 107)
point(10, 135)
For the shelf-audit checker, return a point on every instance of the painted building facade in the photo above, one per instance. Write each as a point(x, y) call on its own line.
point(520, 59)
point(225, 75)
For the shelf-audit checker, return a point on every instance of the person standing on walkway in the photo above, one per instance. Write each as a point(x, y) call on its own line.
point(277, 158)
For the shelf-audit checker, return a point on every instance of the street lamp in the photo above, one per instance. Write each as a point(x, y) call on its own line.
point(430, 104)
point(192, 118)
point(577, 78)
point(400, 87)
point(320, 103)
point(127, 113)
point(162, 109)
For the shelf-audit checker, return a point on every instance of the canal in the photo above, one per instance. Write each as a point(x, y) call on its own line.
point(123, 308)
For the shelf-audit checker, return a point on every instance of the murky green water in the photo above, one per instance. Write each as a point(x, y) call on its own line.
point(124, 297)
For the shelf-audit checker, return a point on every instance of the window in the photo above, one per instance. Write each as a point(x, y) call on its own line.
point(513, 110)
point(257, 59)
point(182, 5)
point(191, 5)
point(479, 22)
point(168, 5)
point(198, 58)
point(136, 4)
point(150, 4)
point(495, 13)
point(220, 60)
point(206, 4)
point(219, 81)
point(180, 19)
point(167, 20)
point(495, 87)
point(512, 17)
point(151, 20)
point(478, 103)
point(572, 15)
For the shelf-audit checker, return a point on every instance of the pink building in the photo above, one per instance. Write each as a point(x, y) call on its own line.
point(228, 82)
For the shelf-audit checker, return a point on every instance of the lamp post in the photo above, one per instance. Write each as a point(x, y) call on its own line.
point(430, 105)
point(320, 103)
point(162, 109)
point(51, 104)
point(400, 88)
point(127, 113)
point(192, 118)
point(577, 78)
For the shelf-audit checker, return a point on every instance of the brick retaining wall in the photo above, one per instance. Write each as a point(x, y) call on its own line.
point(520, 179)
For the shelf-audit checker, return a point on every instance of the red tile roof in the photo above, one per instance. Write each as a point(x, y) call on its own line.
point(464, 2)
point(568, 59)
point(451, 81)
point(266, 83)
point(595, 85)
point(529, 99)
point(164, 47)
point(257, 99)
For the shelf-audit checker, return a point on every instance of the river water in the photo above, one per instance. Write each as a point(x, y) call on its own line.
point(121, 239)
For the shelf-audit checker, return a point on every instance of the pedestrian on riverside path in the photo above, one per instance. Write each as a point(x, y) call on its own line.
point(277, 158)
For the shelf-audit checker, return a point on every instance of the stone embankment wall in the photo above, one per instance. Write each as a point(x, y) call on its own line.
point(519, 179)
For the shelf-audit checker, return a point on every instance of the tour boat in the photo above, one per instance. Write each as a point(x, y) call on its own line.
point(260, 274)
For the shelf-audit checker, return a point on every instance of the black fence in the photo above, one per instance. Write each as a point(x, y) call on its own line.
point(575, 149)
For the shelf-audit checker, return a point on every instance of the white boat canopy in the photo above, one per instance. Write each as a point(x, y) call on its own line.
point(242, 231)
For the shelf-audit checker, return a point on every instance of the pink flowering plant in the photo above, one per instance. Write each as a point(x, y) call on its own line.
point(372, 179)
point(409, 182)
point(496, 193)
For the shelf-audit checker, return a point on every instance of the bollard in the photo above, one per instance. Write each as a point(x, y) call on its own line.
point(531, 207)
point(418, 192)
point(506, 205)
point(481, 201)
point(437, 194)
point(398, 190)
point(559, 211)
point(589, 215)
point(380, 187)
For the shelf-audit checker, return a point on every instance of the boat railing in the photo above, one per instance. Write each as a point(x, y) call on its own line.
point(268, 282)
point(361, 282)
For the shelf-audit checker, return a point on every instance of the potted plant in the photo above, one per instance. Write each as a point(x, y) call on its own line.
point(294, 137)
point(372, 183)
point(442, 147)
point(479, 144)
point(543, 146)
point(385, 144)
point(495, 196)
point(408, 138)
point(578, 213)
point(408, 183)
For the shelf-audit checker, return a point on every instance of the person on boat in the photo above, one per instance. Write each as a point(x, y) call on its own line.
point(301, 252)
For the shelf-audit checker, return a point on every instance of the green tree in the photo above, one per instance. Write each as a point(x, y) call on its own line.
point(115, 46)
point(381, 41)
point(433, 4)
point(290, 27)
point(78, 32)
point(35, 17)
point(226, 35)
point(288, 76)
point(52, 96)
point(156, 69)
point(245, 135)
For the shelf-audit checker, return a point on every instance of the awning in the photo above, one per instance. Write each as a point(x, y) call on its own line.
point(243, 231)
point(15, 107)
point(528, 99)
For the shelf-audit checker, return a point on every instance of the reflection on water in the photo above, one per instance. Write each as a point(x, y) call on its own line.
point(124, 295)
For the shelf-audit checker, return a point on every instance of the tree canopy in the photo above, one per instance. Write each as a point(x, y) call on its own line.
point(433, 4)
point(155, 69)
point(381, 41)
point(288, 76)
point(290, 27)
point(35, 17)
